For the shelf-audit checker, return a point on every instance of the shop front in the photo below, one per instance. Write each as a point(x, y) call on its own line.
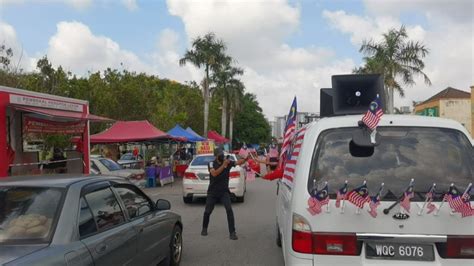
point(37, 132)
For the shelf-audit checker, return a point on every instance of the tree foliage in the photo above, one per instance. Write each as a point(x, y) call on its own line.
point(400, 60)
point(251, 123)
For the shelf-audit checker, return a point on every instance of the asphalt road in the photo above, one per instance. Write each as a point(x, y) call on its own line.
point(255, 226)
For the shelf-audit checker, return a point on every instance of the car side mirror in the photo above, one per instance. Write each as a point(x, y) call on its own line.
point(163, 205)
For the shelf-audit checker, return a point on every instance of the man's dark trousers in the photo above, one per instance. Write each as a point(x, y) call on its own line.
point(211, 200)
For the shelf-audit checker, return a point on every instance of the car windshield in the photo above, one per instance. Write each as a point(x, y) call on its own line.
point(111, 165)
point(127, 157)
point(428, 155)
point(27, 214)
point(205, 160)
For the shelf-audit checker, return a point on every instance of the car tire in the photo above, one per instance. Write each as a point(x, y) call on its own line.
point(278, 236)
point(176, 247)
point(188, 199)
point(240, 199)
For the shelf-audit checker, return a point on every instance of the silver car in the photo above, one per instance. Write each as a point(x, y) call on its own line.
point(88, 220)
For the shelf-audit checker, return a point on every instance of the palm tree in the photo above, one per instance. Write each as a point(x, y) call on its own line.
point(222, 78)
point(236, 93)
point(397, 59)
point(207, 52)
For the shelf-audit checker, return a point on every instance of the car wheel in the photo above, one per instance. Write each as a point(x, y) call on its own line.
point(176, 246)
point(188, 199)
point(240, 199)
point(278, 236)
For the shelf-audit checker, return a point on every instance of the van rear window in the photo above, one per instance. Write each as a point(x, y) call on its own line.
point(428, 155)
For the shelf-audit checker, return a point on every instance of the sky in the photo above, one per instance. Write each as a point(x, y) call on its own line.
point(287, 48)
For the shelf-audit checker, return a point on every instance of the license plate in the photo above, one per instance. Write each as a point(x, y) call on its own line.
point(396, 251)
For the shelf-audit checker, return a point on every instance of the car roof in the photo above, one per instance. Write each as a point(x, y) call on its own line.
point(59, 181)
point(389, 120)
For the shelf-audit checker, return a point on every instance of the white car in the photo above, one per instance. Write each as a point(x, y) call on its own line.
point(196, 179)
point(128, 160)
point(429, 150)
point(105, 166)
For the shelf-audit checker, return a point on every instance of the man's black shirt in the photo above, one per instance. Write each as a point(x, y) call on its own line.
point(219, 184)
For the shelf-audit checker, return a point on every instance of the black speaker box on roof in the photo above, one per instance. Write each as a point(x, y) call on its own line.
point(325, 102)
point(352, 94)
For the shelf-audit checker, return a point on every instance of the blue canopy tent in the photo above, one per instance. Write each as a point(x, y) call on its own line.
point(179, 132)
point(190, 130)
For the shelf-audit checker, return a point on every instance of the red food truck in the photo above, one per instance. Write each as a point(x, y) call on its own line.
point(27, 118)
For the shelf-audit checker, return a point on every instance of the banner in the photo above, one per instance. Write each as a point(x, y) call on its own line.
point(37, 125)
point(205, 147)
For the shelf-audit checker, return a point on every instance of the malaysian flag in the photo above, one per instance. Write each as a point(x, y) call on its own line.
point(290, 130)
point(407, 196)
point(318, 200)
point(429, 197)
point(373, 115)
point(459, 203)
point(359, 196)
point(290, 165)
point(341, 194)
point(375, 202)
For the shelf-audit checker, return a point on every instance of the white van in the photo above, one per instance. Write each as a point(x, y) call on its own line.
point(427, 150)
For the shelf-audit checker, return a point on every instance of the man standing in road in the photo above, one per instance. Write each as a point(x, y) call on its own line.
point(218, 190)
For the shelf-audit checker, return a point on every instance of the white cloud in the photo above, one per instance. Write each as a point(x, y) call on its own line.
point(450, 41)
point(130, 4)
point(9, 38)
point(255, 33)
point(366, 28)
point(166, 57)
point(76, 48)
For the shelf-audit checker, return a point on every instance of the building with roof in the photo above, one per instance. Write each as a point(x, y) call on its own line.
point(449, 103)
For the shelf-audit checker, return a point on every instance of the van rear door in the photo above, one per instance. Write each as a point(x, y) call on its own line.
point(387, 231)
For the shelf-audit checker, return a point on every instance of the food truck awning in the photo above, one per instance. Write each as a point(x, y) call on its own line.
point(60, 113)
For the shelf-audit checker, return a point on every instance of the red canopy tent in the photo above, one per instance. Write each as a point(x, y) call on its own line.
point(216, 137)
point(129, 131)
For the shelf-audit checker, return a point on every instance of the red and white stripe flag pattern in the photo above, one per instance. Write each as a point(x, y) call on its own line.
point(315, 206)
point(430, 205)
point(290, 165)
point(374, 114)
point(290, 130)
point(459, 203)
point(359, 196)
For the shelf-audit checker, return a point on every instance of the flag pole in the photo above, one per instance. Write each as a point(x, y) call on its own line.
point(433, 187)
point(343, 204)
point(444, 199)
point(327, 205)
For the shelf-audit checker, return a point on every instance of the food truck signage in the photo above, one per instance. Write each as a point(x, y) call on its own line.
point(37, 125)
point(204, 147)
point(45, 103)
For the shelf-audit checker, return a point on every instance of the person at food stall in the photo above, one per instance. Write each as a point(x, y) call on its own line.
point(57, 163)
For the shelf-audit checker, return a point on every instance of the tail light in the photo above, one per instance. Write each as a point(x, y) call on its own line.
point(189, 175)
point(460, 247)
point(234, 174)
point(305, 241)
point(335, 244)
point(301, 239)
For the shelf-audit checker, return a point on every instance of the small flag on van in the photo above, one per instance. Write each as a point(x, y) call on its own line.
point(407, 196)
point(341, 194)
point(318, 200)
point(359, 196)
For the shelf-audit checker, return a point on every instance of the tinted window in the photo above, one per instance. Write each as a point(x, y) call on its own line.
point(111, 165)
point(27, 214)
point(135, 203)
point(87, 224)
point(105, 208)
point(94, 167)
point(127, 157)
point(429, 155)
